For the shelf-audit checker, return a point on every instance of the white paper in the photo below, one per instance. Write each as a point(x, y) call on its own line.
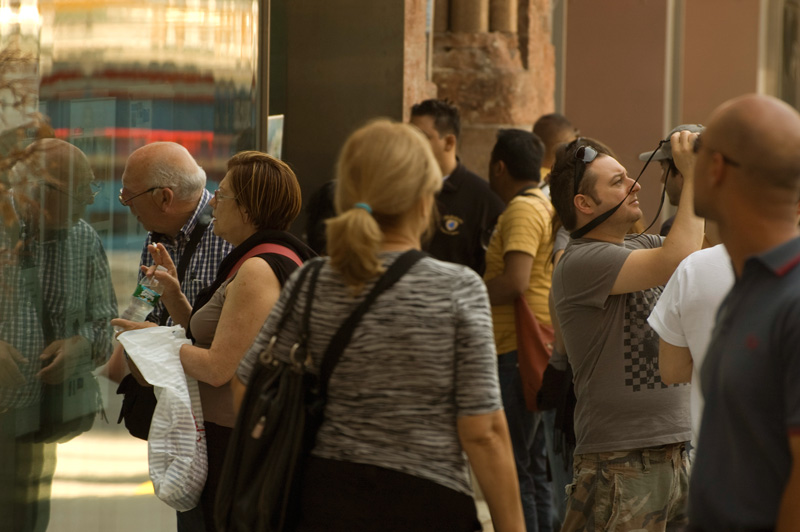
point(176, 444)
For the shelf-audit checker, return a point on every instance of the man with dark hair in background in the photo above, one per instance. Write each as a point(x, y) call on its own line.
point(319, 208)
point(518, 265)
point(553, 130)
point(468, 209)
point(631, 464)
point(670, 175)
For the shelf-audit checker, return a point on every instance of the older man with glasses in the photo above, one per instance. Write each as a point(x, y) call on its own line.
point(164, 188)
point(631, 466)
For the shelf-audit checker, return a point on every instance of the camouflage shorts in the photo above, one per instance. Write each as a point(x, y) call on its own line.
point(642, 490)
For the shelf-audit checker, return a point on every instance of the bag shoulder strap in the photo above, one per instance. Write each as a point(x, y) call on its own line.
point(194, 239)
point(260, 249)
point(525, 192)
point(313, 265)
point(342, 337)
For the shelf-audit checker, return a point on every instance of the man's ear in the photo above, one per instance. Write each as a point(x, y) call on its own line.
point(499, 167)
point(166, 197)
point(449, 142)
point(584, 204)
point(719, 170)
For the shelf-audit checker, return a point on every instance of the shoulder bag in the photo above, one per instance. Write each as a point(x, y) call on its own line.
point(281, 413)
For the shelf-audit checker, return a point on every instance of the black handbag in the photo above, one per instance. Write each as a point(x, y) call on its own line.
point(282, 411)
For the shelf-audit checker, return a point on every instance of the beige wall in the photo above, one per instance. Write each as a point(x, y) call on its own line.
point(619, 54)
point(721, 59)
point(615, 80)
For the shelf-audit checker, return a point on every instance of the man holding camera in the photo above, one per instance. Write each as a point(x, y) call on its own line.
point(631, 466)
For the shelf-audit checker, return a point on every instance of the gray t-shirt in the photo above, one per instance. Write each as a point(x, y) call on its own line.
point(622, 403)
point(422, 356)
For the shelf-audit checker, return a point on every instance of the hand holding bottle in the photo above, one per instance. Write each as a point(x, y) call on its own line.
point(143, 301)
point(164, 271)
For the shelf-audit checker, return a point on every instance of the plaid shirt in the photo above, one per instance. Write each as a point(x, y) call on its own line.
point(202, 268)
point(69, 271)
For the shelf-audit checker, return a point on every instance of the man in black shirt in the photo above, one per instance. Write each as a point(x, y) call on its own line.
point(468, 209)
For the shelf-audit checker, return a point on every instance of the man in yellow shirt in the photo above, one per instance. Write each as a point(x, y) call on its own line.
point(518, 264)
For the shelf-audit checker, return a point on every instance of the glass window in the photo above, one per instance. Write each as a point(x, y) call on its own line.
point(83, 85)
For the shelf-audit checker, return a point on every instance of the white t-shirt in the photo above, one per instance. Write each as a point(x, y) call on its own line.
point(687, 310)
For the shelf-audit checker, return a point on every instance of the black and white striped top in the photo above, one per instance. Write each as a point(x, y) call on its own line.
point(422, 356)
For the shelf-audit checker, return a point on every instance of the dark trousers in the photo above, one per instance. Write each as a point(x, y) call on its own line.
point(201, 518)
point(530, 453)
point(347, 497)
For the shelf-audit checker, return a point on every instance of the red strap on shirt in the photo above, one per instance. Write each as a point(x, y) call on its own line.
point(266, 248)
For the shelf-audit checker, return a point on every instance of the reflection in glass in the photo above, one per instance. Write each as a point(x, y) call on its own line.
point(104, 78)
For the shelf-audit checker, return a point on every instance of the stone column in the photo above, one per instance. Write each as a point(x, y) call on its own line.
point(441, 16)
point(469, 16)
point(498, 79)
point(503, 15)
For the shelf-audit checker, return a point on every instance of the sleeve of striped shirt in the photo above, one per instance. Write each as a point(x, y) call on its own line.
point(477, 387)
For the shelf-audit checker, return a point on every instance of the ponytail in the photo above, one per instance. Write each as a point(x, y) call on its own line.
point(357, 239)
point(383, 172)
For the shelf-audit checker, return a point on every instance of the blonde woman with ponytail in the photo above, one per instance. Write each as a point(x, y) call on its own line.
point(417, 386)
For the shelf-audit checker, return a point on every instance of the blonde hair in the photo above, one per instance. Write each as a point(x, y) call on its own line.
point(266, 188)
point(390, 167)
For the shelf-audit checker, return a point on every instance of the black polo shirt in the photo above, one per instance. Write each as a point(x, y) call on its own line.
point(468, 211)
point(751, 386)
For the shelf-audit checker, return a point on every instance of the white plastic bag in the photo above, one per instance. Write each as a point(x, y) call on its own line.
point(176, 443)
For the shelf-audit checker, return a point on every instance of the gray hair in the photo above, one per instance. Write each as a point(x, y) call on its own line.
point(172, 166)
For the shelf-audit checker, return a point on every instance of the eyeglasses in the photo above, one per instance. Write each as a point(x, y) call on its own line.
point(85, 193)
point(126, 202)
point(585, 154)
point(219, 196)
point(699, 146)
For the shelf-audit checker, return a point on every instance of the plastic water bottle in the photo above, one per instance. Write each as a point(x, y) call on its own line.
point(144, 299)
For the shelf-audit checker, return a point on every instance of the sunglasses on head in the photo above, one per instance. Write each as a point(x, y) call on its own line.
point(585, 154)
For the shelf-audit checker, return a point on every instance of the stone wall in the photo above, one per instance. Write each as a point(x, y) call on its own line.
point(416, 85)
point(497, 78)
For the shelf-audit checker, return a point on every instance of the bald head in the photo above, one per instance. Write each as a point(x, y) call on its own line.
point(762, 135)
point(60, 177)
point(165, 164)
point(62, 162)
